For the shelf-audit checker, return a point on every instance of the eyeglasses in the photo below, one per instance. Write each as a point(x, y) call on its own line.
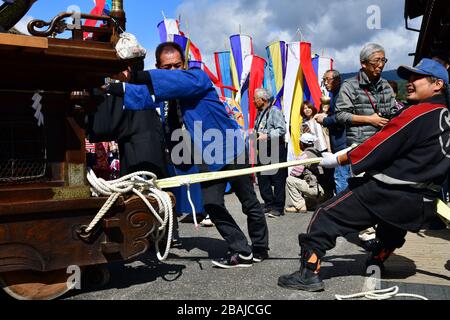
point(376, 62)
point(325, 80)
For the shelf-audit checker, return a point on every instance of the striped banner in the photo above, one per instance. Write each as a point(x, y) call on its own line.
point(241, 47)
point(223, 69)
point(257, 74)
point(108, 7)
point(169, 31)
point(244, 87)
point(311, 78)
point(98, 10)
point(252, 78)
point(293, 98)
point(168, 27)
point(322, 65)
point(277, 69)
point(195, 64)
point(184, 43)
point(234, 111)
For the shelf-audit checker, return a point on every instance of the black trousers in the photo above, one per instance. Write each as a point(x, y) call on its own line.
point(342, 215)
point(214, 205)
point(274, 198)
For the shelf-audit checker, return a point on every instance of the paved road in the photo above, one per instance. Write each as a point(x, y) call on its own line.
point(189, 274)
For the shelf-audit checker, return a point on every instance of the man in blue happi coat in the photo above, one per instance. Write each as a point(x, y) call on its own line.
point(196, 114)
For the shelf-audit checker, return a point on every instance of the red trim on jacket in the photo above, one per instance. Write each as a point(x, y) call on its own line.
point(393, 127)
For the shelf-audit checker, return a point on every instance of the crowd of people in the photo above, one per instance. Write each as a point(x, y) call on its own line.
point(374, 148)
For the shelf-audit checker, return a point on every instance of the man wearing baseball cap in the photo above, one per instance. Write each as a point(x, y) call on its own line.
point(405, 164)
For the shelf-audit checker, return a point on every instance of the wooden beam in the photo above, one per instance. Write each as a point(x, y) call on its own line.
point(15, 40)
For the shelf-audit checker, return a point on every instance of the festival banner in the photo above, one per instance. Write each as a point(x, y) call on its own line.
point(168, 27)
point(241, 48)
point(277, 69)
point(223, 69)
point(293, 98)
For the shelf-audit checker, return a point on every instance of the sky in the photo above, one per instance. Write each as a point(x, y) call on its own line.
point(335, 28)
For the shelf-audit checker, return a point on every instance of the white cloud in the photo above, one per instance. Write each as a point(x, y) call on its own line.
point(338, 28)
point(22, 24)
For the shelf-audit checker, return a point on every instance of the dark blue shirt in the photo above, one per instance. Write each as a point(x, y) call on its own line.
point(338, 134)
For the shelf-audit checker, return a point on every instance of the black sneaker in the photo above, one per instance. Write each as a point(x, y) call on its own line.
point(274, 214)
point(305, 280)
point(267, 209)
point(260, 256)
point(370, 245)
point(176, 241)
point(234, 261)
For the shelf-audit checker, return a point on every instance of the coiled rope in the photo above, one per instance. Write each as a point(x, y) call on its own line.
point(385, 294)
point(140, 183)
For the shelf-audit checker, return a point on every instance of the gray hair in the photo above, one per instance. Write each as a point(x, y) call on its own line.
point(263, 94)
point(336, 74)
point(369, 50)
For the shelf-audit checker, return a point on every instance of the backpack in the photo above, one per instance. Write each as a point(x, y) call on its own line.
point(322, 176)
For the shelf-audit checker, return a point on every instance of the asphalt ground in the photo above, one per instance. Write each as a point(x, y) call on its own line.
point(188, 273)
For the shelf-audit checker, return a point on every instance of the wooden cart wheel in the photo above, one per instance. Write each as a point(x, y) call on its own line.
point(33, 285)
point(96, 276)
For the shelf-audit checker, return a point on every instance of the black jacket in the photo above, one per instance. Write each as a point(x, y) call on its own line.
point(138, 133)
point(405, 164)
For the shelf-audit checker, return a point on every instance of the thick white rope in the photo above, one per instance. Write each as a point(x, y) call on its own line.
point(138, 183)
point(385, 294)
point(186, 182)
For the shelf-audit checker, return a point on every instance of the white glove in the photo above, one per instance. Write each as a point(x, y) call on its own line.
point(330, 160)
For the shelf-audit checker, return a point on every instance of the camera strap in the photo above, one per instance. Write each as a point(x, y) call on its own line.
point(374, 106)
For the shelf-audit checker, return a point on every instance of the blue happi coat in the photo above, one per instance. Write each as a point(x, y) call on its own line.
point(201, 111)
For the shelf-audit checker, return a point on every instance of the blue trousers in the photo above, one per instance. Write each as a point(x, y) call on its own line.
point(341, 176)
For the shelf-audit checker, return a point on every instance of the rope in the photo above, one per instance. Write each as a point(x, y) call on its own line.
point(138, 183)
point(385, 294)
point(179, 181)
point(188, 180)
point(187, 184)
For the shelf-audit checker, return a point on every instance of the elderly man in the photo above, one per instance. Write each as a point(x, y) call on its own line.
point(405, 164)
point(365, 105)
point(196, 110)
point(270, 127)
point(332, 80)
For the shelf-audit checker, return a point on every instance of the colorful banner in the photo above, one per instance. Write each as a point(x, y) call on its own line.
point(241, 48)
point(252, 78)
point(277, 68)
point(195, 64)
point(184, 43)
point(167, 27)
point(234, 111)
point(108, 7)
point(310, 76)
point(322, 65)
point(223, 69)
point(98, 10)
point(293, 98)
point(256, 81)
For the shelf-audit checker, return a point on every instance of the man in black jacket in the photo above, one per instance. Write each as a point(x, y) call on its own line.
point(138, 134)
point(405, 165)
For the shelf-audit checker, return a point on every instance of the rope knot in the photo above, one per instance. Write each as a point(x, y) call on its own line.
point(136, 183)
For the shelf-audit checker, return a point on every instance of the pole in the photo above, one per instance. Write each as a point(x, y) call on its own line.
point(118, 14)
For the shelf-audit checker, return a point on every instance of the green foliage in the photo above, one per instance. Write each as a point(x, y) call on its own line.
point(401, 90)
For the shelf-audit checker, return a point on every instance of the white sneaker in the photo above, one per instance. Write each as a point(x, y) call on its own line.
point(207, 223)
